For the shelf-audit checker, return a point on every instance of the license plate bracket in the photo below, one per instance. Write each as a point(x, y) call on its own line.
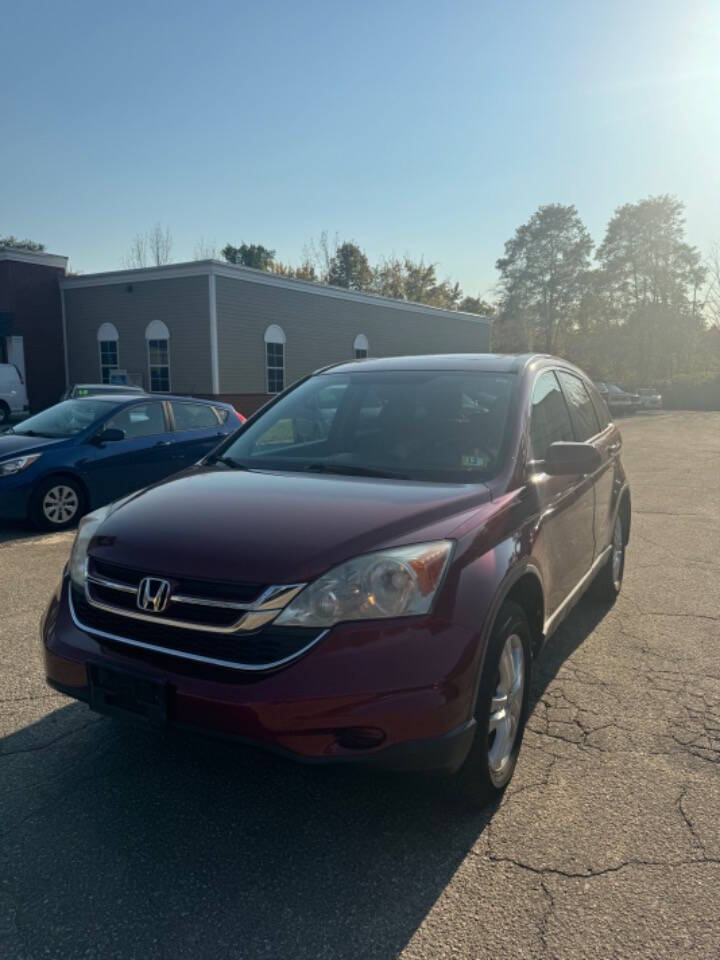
point(121, 693)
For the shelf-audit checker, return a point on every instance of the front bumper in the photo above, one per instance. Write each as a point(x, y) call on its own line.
point(398, 695)
point(14, 498)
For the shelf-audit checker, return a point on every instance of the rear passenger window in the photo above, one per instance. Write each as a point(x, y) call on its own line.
point(582, 412)
point(193, 416)
point(601, 409)
point(549, 419)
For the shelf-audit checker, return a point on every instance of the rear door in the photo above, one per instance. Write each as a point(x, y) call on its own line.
point(564, 537)
point(198, 428)
point(143, 457)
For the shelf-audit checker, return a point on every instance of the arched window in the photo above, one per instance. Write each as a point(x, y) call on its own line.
point(360, 346)
point(108, 346)
point(158, 344)
point(275, 358)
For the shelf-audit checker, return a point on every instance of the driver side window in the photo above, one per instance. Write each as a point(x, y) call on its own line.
point(549, 417)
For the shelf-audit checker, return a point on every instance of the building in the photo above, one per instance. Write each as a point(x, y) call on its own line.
point(31, 332)
point(219, 330)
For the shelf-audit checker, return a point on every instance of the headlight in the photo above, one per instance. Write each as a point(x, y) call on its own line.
point(8, 467)
point(400, 582)
point(86, 530)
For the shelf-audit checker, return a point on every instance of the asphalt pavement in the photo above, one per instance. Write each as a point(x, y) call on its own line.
point(118, 843)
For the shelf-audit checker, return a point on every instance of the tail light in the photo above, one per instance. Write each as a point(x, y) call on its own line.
point(240, 417)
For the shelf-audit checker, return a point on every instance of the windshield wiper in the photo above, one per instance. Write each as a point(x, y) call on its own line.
point(227, 462)
point(352, 471)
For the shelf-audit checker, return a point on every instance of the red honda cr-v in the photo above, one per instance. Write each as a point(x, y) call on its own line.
point(366, 570)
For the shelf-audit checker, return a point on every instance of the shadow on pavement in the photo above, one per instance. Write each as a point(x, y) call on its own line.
point(117, 842)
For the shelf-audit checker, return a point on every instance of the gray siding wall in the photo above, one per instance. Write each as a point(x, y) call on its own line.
point(181, 303)
point(321, 329)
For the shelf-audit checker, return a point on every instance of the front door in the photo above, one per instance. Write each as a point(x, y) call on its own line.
point(141, 458)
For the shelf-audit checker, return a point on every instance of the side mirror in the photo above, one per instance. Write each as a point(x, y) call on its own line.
point(110, 435)
point(564, 459)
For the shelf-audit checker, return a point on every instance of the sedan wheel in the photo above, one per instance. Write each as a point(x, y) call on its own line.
point(57, 503)
point(60, 504)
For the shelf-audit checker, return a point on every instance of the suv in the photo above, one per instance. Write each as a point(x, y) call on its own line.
point(374, 584)
point(13, 395)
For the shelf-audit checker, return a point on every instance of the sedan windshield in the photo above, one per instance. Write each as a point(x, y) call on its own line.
point(438, 425)
point(65, 419)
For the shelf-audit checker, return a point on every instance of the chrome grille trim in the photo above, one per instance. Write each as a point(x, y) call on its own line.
point(153, 648)
point(254, 615)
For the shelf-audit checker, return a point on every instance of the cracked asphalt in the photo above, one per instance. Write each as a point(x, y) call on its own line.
point(116, 843)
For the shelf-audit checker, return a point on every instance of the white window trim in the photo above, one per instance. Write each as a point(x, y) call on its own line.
point(157, 330)
point(361, 342)
point(274, 334)
point(108, 333)
point(117, 357)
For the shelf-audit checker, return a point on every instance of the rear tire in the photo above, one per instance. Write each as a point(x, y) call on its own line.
point(57, 503)
point(608, 582)
point(4, 413)
point(501, 710)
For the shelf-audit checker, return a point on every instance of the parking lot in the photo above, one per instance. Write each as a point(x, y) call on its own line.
point(117, 843)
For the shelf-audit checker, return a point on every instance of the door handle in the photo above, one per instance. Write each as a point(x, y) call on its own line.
point(164, 443)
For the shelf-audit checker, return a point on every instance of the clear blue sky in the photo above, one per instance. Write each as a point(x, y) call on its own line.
point(413, 127)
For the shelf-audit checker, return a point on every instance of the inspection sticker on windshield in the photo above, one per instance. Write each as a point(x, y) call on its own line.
point(474, 460)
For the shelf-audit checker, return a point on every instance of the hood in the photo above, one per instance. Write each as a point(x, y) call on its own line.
point(252, 527)
point(14, 443)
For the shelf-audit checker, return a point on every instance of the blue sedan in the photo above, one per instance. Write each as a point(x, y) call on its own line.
point(89, 451)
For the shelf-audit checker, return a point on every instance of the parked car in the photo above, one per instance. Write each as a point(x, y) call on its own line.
point(650, 399)
point(378, 594)
point(13, 395)
point(100, 389)
point(618, 400)
point(86, 452)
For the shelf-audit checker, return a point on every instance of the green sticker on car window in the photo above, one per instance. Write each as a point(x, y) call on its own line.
point(474, 460)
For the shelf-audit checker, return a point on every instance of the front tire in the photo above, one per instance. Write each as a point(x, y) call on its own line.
point(57, 503)
point(4, 413)
point(501, 710)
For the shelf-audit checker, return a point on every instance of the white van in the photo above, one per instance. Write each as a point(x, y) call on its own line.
point(13, 395)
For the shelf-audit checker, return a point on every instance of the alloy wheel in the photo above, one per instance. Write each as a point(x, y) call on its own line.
point(60, 504)
point(618, 549)
point(506, 709)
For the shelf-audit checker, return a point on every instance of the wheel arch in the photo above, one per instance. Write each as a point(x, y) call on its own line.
point(522, 586)
point(63, 473)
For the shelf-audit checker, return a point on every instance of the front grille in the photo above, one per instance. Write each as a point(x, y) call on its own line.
point(264, 649)
point(187, 612)
point(206, 589)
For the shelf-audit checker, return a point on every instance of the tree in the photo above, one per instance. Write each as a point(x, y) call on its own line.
point(476, 305)
point(151, 249)
point(650, 281)
point(12, 243)
point(205, 250)
point(544, 273)
point(417, 281)
point(712, 294)
point(250, 255)
point(349, 268)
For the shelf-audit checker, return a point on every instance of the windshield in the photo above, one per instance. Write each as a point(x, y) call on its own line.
point(65, 419)
point(446, 426)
